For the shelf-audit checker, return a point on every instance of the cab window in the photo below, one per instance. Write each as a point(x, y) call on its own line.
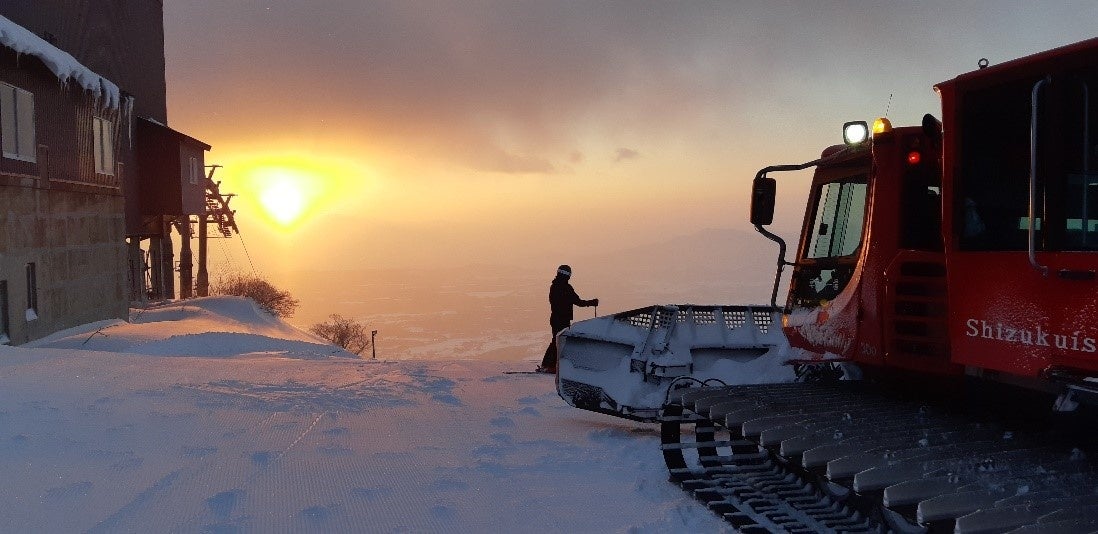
point(831, 248)
point(837, 226)
point(992, 207)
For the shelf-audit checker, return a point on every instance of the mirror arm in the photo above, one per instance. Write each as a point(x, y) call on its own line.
point(777, 239)
point(781, 261)
point(781, 168)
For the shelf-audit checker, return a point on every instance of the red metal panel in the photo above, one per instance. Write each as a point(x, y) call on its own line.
point(1009, 317)
point(1005, 315)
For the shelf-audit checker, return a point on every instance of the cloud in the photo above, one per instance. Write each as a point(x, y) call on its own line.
point(625, 154)
point(503, 162)
point(523, 83)
point(517, 82)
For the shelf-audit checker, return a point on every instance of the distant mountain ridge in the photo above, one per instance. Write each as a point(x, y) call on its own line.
point(711, 266)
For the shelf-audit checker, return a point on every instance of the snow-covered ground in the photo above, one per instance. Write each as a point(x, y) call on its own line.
point(208, 416)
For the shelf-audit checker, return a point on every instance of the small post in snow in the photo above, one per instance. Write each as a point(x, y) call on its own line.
point(373, 346)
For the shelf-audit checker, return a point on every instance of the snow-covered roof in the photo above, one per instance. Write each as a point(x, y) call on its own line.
point(63, 65)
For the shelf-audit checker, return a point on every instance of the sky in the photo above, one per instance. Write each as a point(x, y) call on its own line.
point(437, 133)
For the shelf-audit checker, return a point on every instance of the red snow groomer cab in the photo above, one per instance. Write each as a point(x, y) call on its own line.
point(955, 264)
point(966, 246)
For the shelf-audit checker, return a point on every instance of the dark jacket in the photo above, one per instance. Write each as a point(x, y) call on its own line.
point(561, 299)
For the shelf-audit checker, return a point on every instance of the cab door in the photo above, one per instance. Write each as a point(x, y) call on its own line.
point(824, 298)
point(1024, 225)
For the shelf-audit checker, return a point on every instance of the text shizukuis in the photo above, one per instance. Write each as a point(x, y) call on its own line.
point(1039, 337)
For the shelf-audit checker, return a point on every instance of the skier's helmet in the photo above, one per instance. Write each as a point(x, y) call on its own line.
point(564, 271)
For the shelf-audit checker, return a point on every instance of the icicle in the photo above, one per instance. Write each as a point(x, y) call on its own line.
point(60, 63)
point(129, 119)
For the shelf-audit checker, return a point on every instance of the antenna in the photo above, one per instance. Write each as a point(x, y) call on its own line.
point(888, 105)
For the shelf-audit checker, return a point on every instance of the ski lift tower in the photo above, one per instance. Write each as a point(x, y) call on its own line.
point(219, 214)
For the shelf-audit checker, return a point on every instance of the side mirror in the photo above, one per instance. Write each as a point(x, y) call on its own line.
point(763, 194)
point(932, 128)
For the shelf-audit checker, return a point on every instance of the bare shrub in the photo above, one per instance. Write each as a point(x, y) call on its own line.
point(271, 299)
point(344, 332)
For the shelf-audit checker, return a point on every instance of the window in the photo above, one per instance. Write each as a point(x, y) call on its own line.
point(1081, 222)
point(1073, 162)
point(194, 172)
point(32, 292)
point(920, 202)
point(837, 230)
point(829, 258)
point(17, 123)
point(993, 204)
point(103, 134)
point(993, 201)
point(5, 322)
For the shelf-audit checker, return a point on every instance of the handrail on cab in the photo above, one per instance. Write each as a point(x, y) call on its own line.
point(1032, 234)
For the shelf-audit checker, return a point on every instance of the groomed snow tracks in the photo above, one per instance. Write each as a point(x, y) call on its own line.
point(843, 457)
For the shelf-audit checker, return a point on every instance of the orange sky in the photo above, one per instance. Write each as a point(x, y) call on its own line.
point(526, 133)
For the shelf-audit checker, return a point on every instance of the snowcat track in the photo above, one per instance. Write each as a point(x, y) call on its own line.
point(843, 457)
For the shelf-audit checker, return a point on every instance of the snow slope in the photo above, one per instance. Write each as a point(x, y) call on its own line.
point(208, 416)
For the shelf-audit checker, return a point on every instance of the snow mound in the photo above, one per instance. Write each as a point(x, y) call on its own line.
point(208, 327)
point(222, 344)
point(239, 312)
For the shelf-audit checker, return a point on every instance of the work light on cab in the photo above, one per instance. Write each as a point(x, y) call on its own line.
point(881, 126)
point(855, 132)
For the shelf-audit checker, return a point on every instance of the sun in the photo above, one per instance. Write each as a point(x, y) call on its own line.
point(291, 191)
point(284, 194)
point(283, 199)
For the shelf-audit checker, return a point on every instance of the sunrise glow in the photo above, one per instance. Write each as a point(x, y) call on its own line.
point(289, 190)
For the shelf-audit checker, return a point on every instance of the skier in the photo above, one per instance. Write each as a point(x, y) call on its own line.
point(561, 299)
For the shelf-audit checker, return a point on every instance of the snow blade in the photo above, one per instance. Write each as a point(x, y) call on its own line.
point(626, 364)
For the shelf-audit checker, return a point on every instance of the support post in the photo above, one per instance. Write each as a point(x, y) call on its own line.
point(186, 278)
point(203, 273)
point(137, 270)
point(156, 278)
point(167, 260)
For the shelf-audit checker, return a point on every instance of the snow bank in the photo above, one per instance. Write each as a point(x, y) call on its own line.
point(209, 326)
point(60, 63)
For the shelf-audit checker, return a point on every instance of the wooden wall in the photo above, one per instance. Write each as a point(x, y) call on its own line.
point(63, 130)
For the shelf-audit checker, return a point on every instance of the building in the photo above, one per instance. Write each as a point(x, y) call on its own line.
point(89, 168)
